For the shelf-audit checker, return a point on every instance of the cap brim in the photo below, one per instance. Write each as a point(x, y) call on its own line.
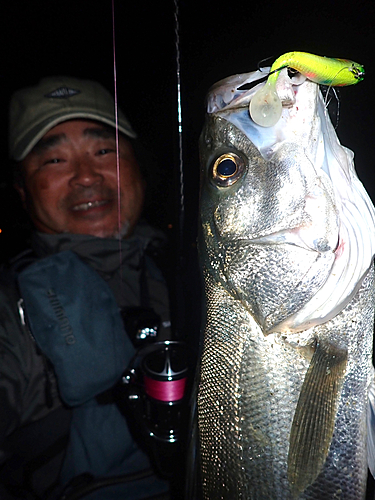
point(34, 135)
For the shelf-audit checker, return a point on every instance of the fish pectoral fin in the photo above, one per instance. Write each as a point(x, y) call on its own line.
point(314, 418)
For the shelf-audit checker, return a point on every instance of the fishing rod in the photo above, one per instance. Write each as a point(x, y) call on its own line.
point(151, 392)
point(179, 117)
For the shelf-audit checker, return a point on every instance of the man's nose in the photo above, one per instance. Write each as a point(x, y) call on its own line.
point(85, 173)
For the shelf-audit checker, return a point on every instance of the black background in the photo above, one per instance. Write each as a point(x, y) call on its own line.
point(217, 39)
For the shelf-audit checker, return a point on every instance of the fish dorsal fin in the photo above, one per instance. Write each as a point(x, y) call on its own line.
point(315, 415)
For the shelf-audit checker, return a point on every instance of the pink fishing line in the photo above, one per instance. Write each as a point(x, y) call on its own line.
point(172, 390)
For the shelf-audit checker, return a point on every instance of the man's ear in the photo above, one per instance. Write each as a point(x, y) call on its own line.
point(21, 191)
point(18, 181)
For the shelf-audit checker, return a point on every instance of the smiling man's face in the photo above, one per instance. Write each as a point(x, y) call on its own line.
point(72, 184)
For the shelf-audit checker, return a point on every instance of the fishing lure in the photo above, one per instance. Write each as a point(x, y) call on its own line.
point(266, 107)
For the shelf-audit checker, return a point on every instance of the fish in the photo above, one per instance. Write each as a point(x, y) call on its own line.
point(286, 244)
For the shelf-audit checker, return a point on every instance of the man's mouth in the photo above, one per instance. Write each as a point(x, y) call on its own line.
point(88, 205)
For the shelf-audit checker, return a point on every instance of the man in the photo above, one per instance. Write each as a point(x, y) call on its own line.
point(63, 345)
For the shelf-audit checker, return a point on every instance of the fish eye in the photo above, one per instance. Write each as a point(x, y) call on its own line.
point(227, 169)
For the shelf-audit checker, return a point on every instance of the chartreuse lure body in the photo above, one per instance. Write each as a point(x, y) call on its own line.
point(266, 107)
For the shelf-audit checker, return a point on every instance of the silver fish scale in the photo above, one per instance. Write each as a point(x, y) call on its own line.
point(249, 389)
point(251, 271)
point(345, 472)
point(236, 386)
point(219, 409)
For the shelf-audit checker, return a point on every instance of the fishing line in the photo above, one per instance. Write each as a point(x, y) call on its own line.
point(116, 129)
point(327, 93)
point(263, 60)
point(331, 86)
point(335, 93)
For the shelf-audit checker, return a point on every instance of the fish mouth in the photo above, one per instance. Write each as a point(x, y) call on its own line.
point(88, 205)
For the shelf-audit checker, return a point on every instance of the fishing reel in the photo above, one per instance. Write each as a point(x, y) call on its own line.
point(152, 395)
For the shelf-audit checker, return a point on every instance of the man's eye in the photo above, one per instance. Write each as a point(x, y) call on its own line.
point(105, 151)
point(52, 160)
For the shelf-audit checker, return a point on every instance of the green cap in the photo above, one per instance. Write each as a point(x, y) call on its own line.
point(35, 110)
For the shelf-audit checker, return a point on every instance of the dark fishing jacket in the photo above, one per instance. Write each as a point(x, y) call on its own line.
point(62, 345)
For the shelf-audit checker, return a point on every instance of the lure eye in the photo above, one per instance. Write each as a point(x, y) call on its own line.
point(227, 169)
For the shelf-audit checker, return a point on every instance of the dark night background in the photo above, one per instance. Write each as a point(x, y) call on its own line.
point(217, 39)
